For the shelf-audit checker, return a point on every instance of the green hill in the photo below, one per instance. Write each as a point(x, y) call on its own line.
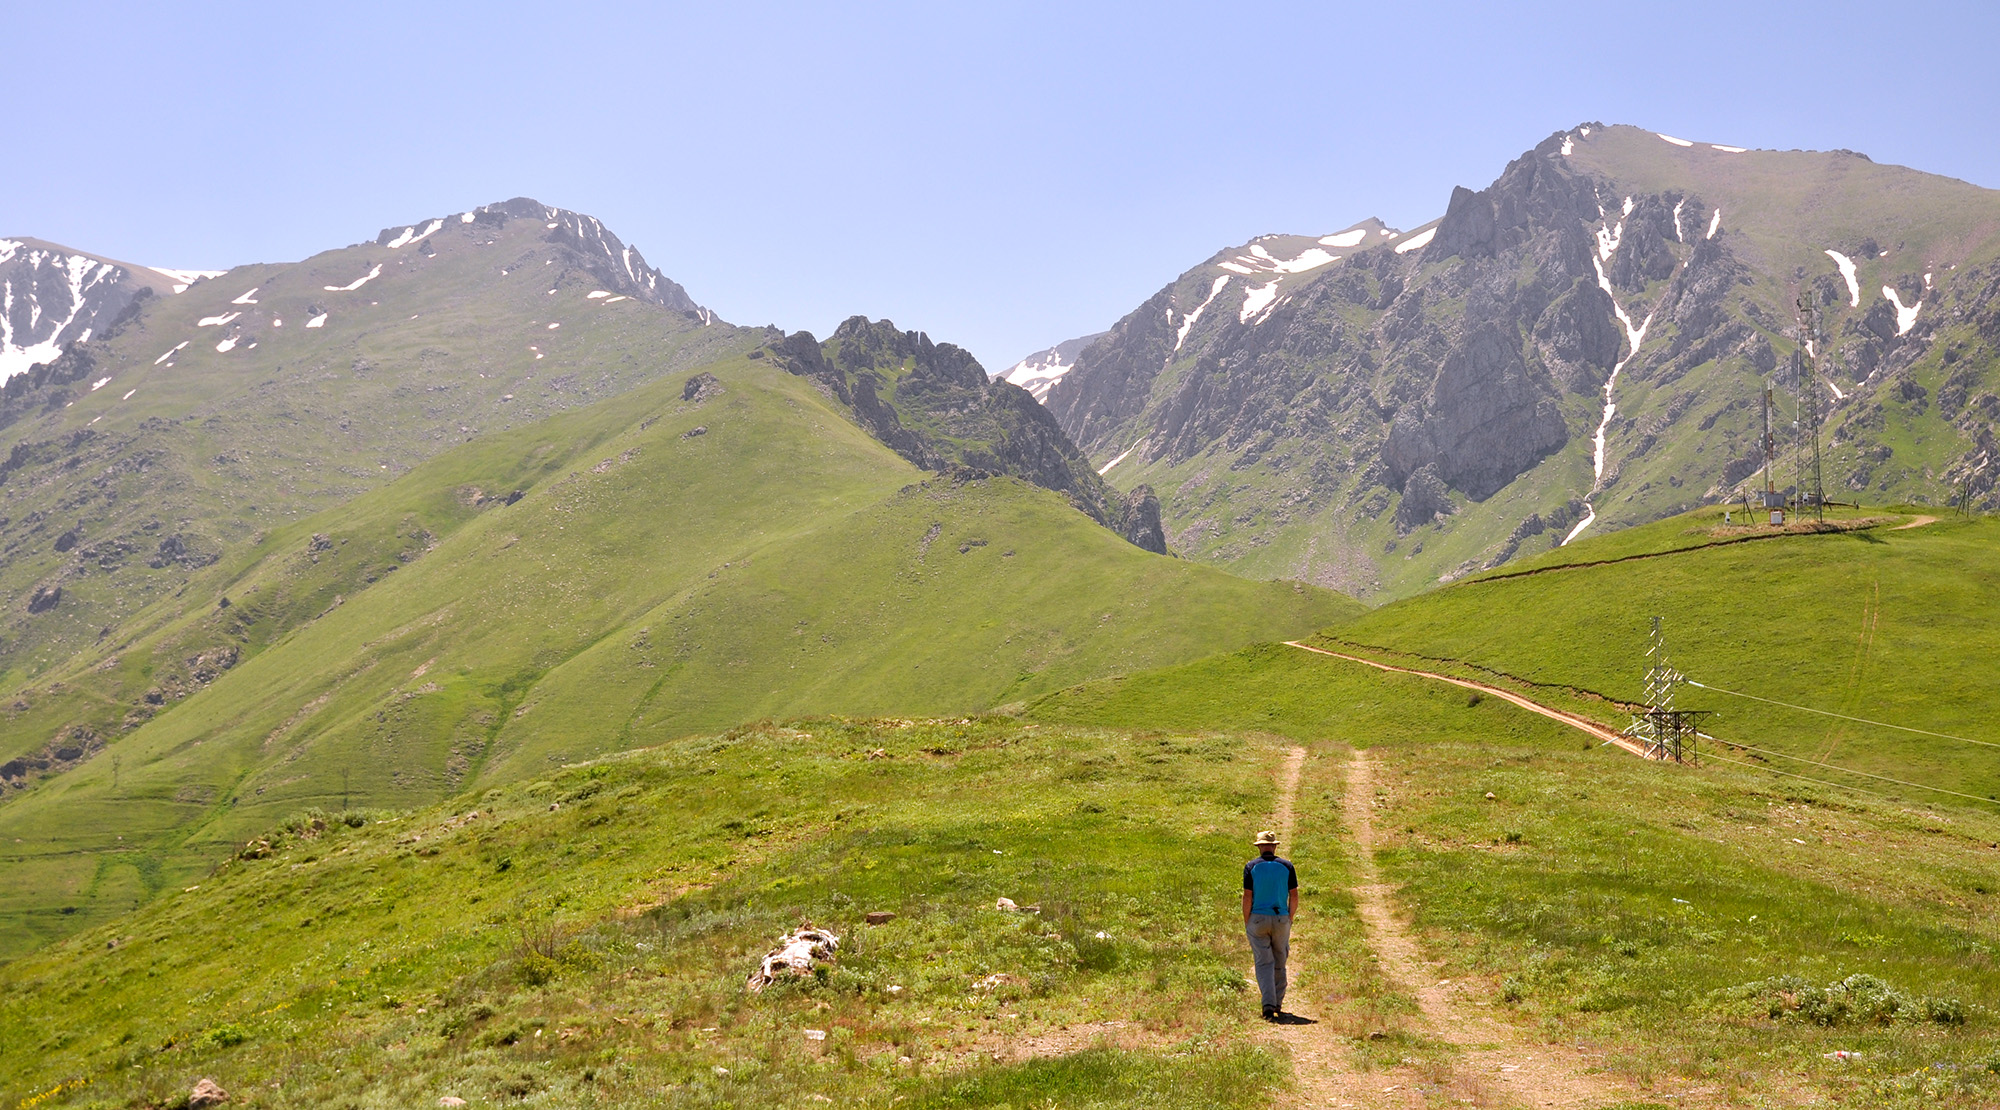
point(1872, 622)
point(215, 416)
point(696, 552)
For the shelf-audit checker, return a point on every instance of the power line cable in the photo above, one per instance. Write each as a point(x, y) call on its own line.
point(1845, 717)
point(1848, 770)
point(1788, 774)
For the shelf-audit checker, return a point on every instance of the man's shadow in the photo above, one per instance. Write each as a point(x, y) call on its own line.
point(1292, 1019)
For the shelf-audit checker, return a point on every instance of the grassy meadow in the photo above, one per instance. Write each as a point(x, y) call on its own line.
point(584, 939)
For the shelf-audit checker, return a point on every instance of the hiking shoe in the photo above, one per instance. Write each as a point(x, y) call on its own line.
point(1270, 1013)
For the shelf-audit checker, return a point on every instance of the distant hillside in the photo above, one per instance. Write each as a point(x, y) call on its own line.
point(187, 424)
point(1585, 339)
point(703, 550)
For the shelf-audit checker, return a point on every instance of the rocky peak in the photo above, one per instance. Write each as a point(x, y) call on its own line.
point(1039, 372)
point(860, 344)
point(933, 404)
point(619, 268)
point(52, 297)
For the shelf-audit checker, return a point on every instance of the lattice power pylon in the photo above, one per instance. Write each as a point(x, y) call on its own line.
point(1666, 732)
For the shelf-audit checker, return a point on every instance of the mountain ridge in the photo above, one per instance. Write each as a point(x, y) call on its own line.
point(1414, 406)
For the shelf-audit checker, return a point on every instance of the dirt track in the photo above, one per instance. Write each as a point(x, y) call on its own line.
point(1496, 1065)
point(1590, 727)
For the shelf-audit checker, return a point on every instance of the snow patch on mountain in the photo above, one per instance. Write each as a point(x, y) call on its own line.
point(1039, 372)
point(1106, 468)
point(1608, 238)
point(1418, 241)
point(356, 283)
point(1846, 265)
point(1728, 149)
point(50, 299)
point(412, 235)
point(1633, 336)
point(182, 279)
point(1714, 224)
point(1349, 238)
point(1187, 324)
point(1906, 318)
point(1676, 142)
point(1257, 300)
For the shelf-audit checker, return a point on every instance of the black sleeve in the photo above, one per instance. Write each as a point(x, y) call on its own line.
point(1247, 884)
point(1292, 874)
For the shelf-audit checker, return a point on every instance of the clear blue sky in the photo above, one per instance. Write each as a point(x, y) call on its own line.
point(1002, 176)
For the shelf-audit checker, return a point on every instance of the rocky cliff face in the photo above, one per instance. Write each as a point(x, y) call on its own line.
point(935, 405)
point(1581, 341)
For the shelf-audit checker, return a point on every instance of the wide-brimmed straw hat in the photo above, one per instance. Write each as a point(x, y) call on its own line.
point(1266, 837)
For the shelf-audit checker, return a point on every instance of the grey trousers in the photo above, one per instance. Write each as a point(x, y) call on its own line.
point(1270, 942)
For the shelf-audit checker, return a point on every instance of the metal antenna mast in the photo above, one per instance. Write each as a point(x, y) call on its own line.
point(1771, 501)
point(1812, 489)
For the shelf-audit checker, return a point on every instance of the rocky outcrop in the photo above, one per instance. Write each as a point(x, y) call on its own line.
point(933, 404)
point(1141, 523)
point(1424, 499)
point(700, 387)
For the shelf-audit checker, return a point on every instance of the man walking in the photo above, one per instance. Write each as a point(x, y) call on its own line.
point(1270, 898)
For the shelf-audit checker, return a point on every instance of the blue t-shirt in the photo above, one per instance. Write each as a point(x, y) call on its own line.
point(1270, 881)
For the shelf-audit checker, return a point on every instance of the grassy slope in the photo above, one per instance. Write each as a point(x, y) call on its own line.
point(1889, 625)
point(220, 447)
point(586, 937)
point(1631, 907)
point(651, 582)
point(1636, 908)
point(1015, 595)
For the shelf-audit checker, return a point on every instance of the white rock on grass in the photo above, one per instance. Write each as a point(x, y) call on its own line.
point(796, 953)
